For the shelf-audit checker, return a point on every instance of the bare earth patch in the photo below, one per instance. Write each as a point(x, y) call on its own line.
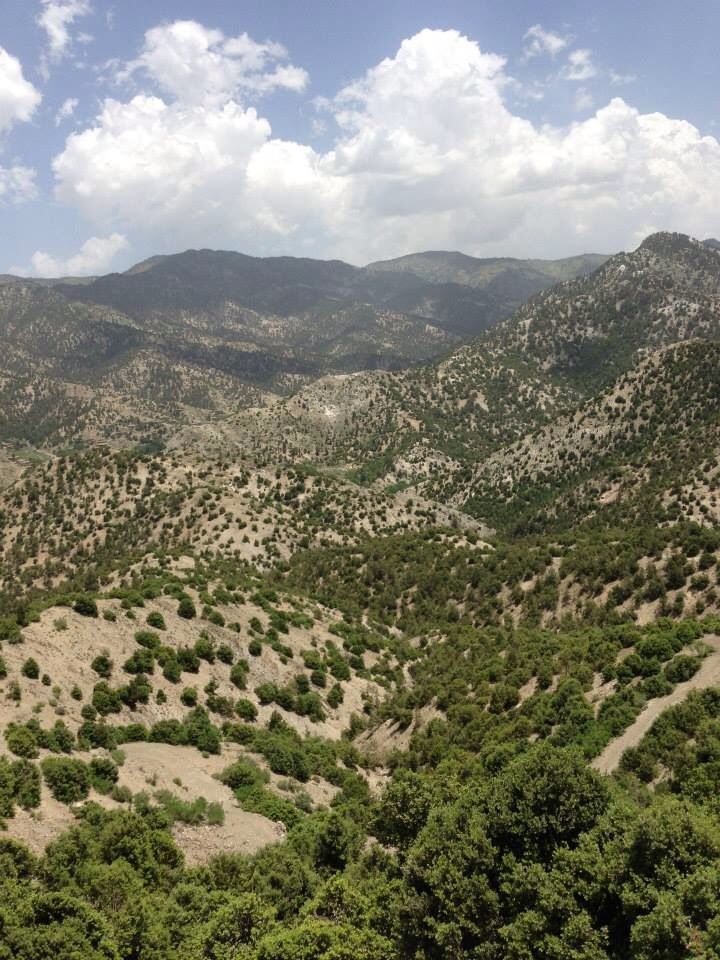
point(707, 676)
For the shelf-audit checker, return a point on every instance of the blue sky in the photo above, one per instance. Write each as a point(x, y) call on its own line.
point(358, 130)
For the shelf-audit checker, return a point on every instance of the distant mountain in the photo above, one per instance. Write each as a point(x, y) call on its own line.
point(440, 266)
point(207, 283)
point(431, 425)
point(498, 284)
point(196, 336)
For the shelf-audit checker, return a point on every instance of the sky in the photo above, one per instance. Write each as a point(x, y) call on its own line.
point(352, 130)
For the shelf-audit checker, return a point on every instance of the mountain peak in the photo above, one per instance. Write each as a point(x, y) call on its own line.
point(666, 244)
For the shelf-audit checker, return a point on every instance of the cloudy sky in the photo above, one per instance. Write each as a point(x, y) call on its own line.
point(359, 130)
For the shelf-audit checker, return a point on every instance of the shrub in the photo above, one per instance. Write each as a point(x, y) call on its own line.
point(147, 639)
point(188, 659)
point(135, 692)
point(205, 648)
point(86, 607)
point(30, 669)
point(241, 775)
point(238, 674)
point(156, 620)
point(105, 700)
point(259, 800)
point(266, 692)
point(216, 618)
point(27, 784)
point(103, 774)
point(246, 709)
point(186, 609)
point(68, 779)
point(189, 697)
point(681, 668)
point(225, 654)
point(172, 671)
point(102, 665)
point(142, 661)
point(21, 741)
point(10, 630)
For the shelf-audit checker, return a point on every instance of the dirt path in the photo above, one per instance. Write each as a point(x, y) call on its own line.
point(707, 676)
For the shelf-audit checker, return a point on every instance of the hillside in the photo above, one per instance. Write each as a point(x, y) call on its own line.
point(505, 281)
point(648, 442)
point(377, 664)
point(185, 339)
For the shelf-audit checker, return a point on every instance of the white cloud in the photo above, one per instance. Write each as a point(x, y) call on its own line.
point(583, 99)
point(427, 154)
point(17, 184)
point(198, 65)
point(56, 17)
point(67, 109)
point(620, 79)
point(18, 97)
point(539, 41)
point(579, 66)
point(94, 257)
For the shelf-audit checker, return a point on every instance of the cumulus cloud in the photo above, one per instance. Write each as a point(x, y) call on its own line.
point(198, 65)
point(579, 66)
point(539, 41)
point(94, 257)
point(66, 110)
point(56, 18)
point(427, 153)
point(18, 97)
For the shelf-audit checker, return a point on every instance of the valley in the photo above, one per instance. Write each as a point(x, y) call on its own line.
point(363, 612)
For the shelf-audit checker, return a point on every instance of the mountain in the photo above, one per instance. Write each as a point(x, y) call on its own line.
point(187, 339)
point(645, 446)
point(495, 274)
point(563, 346)
point(589, 330)
point(462, 301)
point(384, 663)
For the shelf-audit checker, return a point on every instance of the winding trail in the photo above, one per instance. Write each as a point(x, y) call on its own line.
point(707, 676)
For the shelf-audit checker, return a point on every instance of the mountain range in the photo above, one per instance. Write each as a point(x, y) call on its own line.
point(187, 337)
point(362, 612)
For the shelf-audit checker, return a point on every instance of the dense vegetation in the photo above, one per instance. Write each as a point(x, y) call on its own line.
point(523, 854)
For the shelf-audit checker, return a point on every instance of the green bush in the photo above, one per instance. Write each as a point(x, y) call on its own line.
point(246, 709)
point(156, 620)
point(86, 607)
point(103, 774)
point(186, 609)
point(21, 741)
point(102, 665)
point(68, 779)
point(238, 674)
point(30, 669)
point(27, 784)
point(241, 775)
point(142, 661)
point(147, 639)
